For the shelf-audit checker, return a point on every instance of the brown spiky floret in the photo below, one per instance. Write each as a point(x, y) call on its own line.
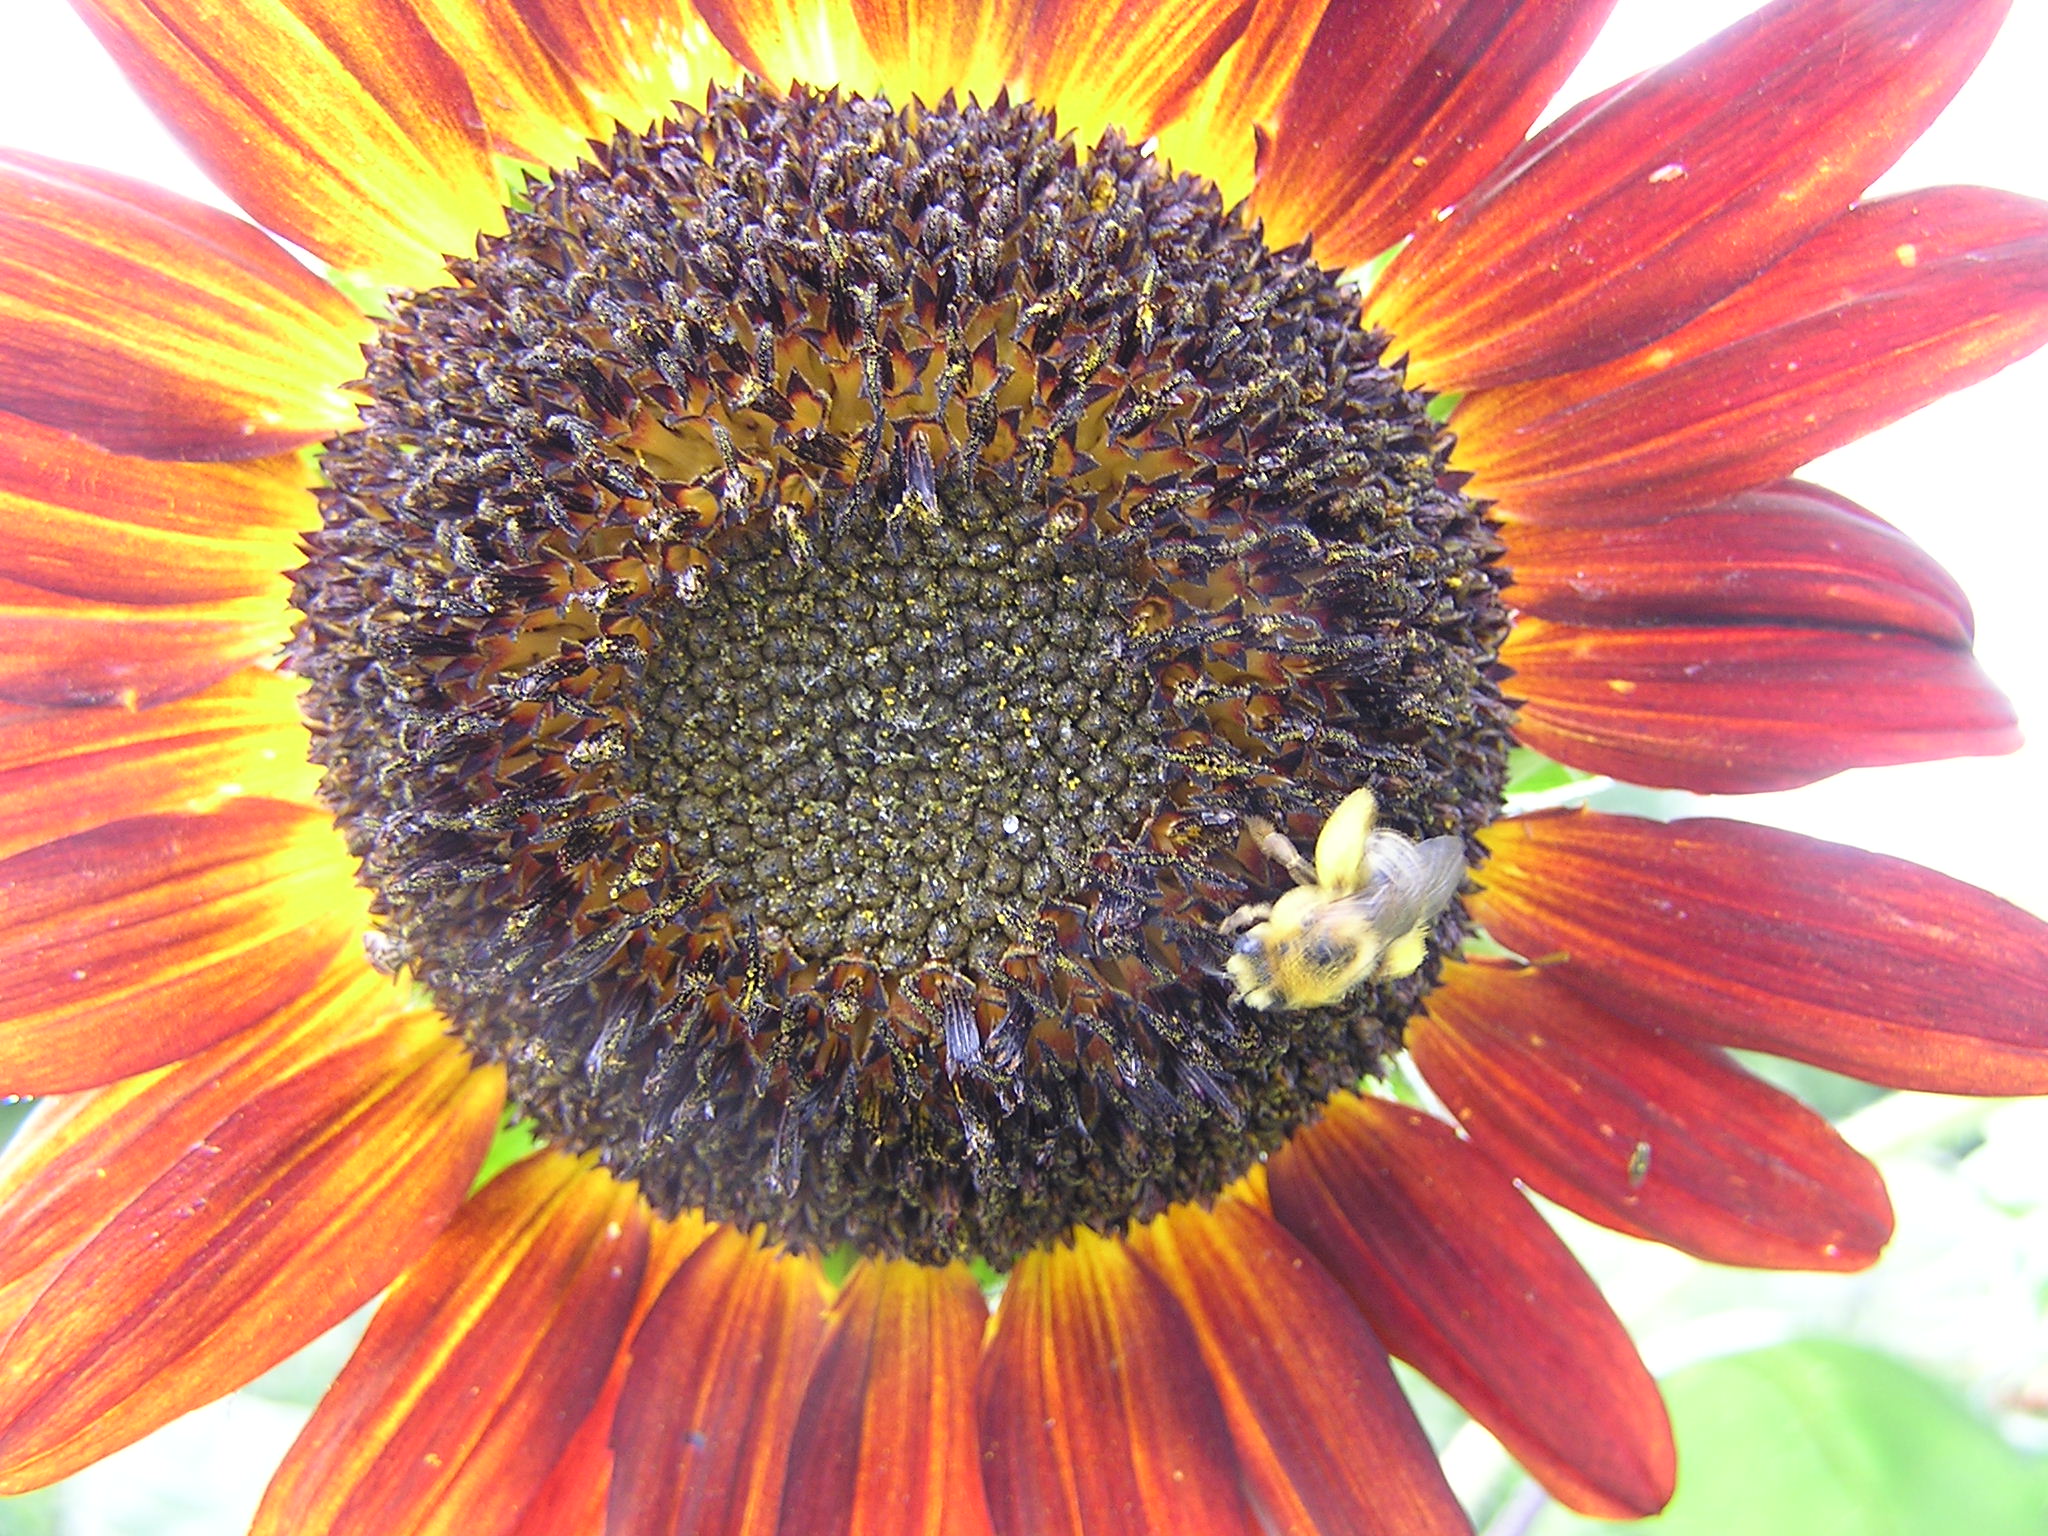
point(802, 629)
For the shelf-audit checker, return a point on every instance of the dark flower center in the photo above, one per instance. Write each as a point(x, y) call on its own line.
point(804, 633)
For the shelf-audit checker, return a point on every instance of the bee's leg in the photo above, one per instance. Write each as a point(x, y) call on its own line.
point(1244, 917)
point(1276, 845)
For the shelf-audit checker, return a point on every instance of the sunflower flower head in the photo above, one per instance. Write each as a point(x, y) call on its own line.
point(909, 649)
point(803, 631)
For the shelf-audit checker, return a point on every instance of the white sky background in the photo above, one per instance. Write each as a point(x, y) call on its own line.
point(1967, 478)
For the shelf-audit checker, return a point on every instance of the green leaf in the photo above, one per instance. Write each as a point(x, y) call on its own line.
point(1531, 772)
point(515, 1139)
point(1824, 1439)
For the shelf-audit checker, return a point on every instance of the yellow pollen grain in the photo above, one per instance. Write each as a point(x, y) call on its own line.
point(1908, 254)
point(1621, 685)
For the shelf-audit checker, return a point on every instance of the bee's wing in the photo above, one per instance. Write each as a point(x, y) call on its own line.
point(1411, 882)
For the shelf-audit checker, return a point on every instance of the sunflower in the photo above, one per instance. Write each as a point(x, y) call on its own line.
point(764, 644)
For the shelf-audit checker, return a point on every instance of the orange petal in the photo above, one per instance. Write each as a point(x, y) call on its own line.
point(815, 42)
point(572, 1500)
point(1676, 190)
point(1097, 1413)
point(886, 1443)
point(478, 1367)
point(69, 651)
point(143, 941)
point(1133, 65)
point(701, 1436)
point(340, 124)
point(91, 524)
point(631, 59)
point(168, 1241)
point(1327, 1440)
point(1747, 936)
point(925, 48)
point(64, 771)
point(1461, 1277)
point(1730, 709)
point(1402, 106)
point(1892, 305)
point(1650, 1135)
point(154, 325)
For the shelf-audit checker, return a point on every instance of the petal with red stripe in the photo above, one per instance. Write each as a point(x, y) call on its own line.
point(478, 1368)
point(631, 59)
point(154, 325)
point(1132, 66)
point(1230, 116)
point(143, 941)
point(1459, 1276)
point(1892, 305)
point(64, 771)
point(1678, 189)
point(1097, 1413)
point(1327, 1441)
point(68, 651)
point(169, 1239)
point(1650, 1135)
point(1747, 936)
point(925, 48)
point(700, 1439)
point(1737, 708)
point(1400, 109)
point(811, 42)
point(102, 526)
point(1788, 553)
point(526, 92)
point(886, 1443)
point(340, 124)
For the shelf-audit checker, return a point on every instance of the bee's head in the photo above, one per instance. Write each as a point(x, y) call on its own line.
point(1250, 968)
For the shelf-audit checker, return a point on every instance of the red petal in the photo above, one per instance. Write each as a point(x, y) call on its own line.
point(1740, 708)
point(91, 524)
point(170, 1239)
point(69, 651)
point(1678, 190)
point(1747, 936)
point(1463, 1279)
point(479, 1366)
point(701, 1436)
point(141, 942)
point(1096, 1411)
point(340, 124)
point(886, 1443)
point(64, 771)
point(1327, 1440)
point(154, 325)
point(1402, 106)
point(572, 1500)
point(1892, 305)
point(1653, 1136)
point(1788, 553)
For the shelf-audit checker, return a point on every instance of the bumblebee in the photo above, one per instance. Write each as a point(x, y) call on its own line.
point(1360, 913)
